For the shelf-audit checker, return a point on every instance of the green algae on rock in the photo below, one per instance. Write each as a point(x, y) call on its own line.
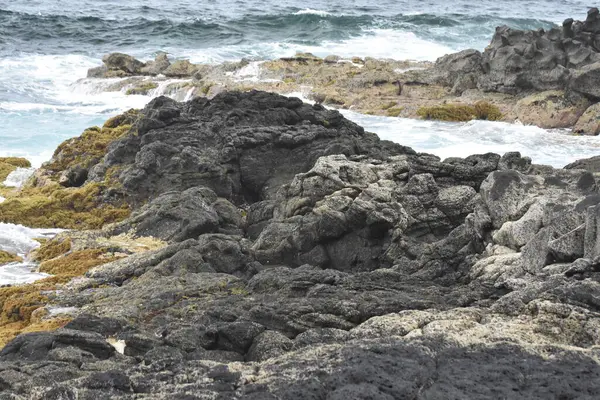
point(142, 88)
point(461, 112)
point(9, 164)
point(6, 257)
point(45, 202)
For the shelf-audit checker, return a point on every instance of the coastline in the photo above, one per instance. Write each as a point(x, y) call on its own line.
point(248, 245)
point(274, 230)
point(537, 78)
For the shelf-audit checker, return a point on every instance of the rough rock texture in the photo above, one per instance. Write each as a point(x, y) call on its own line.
point(544, 78)
point(243, 146)
point(589, 123)
point(518, 61)
point(591, 164)
point(309, 260)
point(553, 109)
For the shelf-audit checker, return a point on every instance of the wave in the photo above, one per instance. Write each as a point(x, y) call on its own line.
point(311, 11)
point(20, 240)
point(94, 35)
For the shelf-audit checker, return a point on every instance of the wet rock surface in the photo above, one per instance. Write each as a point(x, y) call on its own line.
point(307, 259)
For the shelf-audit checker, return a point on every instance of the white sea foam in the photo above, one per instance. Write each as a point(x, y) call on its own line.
point(449, 139)
point(18, 177)
point(551, 147)
point(383, 43)
point(35, 158)
point(310, 11)
point(18, 239)
point(378, 43)
point(250, 72)
point(18, 273)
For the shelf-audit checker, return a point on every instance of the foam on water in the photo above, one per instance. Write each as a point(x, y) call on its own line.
point(47, 102)
point(18, 239)
point(18, 177)
point(383, 43)
point(556, 147)
point(377, 43)
point(310, 11)
point(19, 273)
point(445, 139)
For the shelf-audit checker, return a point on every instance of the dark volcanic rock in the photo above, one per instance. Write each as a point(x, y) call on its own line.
point(243, 146)
point(519, 61)
point(591, 164)
point(307, 259)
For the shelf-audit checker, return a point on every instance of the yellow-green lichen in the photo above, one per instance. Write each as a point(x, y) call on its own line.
point(58, 207)
point(44, 203)
point(86, 149)
point(394, 111)
point(52, 249)
point(76, 263)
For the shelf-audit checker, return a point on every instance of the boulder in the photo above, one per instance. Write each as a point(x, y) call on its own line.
point(156, 67)
point(179, 69)
point(591, 164)
point(589, 122)
point(551, 109)
point(516, 61)
point(120, 64)
point(460, 71)
point(587, 81)
point(177, 216)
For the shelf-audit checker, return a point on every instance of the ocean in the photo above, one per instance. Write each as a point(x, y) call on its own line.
point(46, 47)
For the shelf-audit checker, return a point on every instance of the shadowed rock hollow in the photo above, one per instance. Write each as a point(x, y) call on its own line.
point(307, 259)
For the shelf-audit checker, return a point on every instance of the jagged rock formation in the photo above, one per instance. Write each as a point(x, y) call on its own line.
point(518, 61)
point(307, 259)
point(545, 78)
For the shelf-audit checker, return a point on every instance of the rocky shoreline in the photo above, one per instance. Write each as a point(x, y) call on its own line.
point(243, 244)
point(542, 78)
point(251, 246)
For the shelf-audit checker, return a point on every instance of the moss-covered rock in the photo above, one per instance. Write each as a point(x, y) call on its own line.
point(181, 69)
point(58, 207)
point(77, 263)
point(52, 249)
point(86, 149)
point(18, 303)
point(9, 164)
point(461, 112)
point(551, 109)
point(44, 203)
point(589, 122)
point(6, 257)
point(142, 89)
